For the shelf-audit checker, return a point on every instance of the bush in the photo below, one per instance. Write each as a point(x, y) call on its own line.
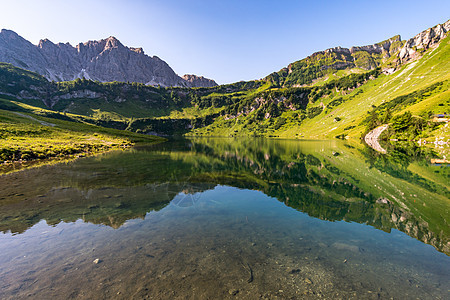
point(401, 122)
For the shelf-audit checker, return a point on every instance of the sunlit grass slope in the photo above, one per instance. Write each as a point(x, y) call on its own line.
point(433, 67)
point(25, 135)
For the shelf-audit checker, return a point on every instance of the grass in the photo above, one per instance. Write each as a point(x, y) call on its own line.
point(433, 67)
point(24, 137)
point(336, 75)
point(192, 112)
point(345, 109)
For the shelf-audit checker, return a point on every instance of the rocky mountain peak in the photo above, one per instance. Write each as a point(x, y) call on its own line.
point(9, 34)
point(104, 60)
point(112, 42)
point(113, 39)
point(45, 43)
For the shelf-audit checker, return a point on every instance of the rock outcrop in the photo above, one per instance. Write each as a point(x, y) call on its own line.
point(323, 63)
point(198, 81)
point(104, 60)
point(387, 47)
point(365, 57)
point(425, 40)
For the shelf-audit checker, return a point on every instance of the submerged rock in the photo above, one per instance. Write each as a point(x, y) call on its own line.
point(347, 247)
point(233, 292)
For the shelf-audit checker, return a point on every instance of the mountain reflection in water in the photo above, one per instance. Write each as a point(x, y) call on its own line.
point(326, 180)
point(221, 218)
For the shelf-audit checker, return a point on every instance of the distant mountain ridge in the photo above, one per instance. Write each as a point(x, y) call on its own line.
point(389, 54)
point(104, 60)
point(322, 63)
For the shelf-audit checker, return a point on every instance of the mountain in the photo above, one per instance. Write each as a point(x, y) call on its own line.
point(423, 41)
point(390, 54)
point(329, 61)
point(105, 60)
point(338, 92)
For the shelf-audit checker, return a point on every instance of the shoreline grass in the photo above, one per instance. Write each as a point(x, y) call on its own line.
point(27, 138)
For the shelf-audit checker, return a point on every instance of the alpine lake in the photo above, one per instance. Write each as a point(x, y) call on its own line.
point(229, 219)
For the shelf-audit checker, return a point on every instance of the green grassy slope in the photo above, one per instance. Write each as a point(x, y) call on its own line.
point(433, 67)
point(27, 136)
point(338, 107)
point(333, 62)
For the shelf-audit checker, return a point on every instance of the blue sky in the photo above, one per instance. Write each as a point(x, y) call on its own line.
point(224, 40)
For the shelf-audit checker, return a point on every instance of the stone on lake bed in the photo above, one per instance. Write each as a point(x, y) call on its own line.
point(96, 261)
point(347, 247)
point(233, 292)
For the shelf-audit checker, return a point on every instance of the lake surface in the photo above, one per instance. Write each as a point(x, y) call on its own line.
point(228, 218)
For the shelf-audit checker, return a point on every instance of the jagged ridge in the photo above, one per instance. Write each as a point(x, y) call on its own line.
point(389, 54)
point(105, 60)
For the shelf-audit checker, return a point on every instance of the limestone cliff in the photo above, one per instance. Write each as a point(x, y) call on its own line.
point(198, 81)
point(323, 63)
point(425, 40)
point(104, 60)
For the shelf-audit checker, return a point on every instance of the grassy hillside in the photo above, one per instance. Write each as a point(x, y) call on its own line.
point(330, 62)
point(28, 136)
point(340, 107)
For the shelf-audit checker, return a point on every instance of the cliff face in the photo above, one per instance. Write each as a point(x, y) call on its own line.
point(389, 54)
point(429, 38)
point(323, 63)
point(104, 60)
point(365, 57)
point(198, 81)
point(16, 50)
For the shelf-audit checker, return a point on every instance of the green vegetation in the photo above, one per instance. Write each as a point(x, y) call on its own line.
point(341, 106)
point(335, 93)
point(405, 126)
point(26, 136)
point(272, 109)
point(13, 80)
point(326, 63)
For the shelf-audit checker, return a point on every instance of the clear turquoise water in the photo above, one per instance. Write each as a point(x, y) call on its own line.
point(212, 219)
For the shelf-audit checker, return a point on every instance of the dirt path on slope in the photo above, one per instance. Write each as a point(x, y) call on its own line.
point(34, 119)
